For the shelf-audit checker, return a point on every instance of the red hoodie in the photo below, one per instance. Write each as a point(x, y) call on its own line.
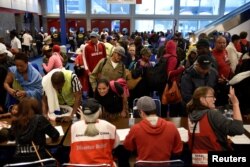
point(172, 60)
point(155, 143)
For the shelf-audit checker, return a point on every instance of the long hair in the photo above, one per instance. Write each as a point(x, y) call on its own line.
point(27, 108)
point(195, 103)
point(90, 120)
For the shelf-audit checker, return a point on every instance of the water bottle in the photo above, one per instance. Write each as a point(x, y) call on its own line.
point(131, 120)
point(74, 119)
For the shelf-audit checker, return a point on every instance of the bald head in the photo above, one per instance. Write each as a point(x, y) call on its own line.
point(57, 80)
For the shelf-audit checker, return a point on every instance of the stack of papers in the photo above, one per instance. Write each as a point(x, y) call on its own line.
point(247, 127)
point(59, 129)
point(184, 134)
point(240, 139)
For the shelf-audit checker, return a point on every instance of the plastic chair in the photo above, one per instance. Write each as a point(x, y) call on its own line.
point(48, 162)
point(89, 165)
point(170, 163)
point(157, 103)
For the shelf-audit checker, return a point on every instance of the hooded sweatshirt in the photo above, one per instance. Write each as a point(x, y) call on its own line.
point(172, 61)
point(221, 125)
point(154, 142)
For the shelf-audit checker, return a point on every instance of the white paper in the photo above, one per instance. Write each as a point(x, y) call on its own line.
point(240, 139)
point(122, 133)
point(247, 127)
point(11, 142)
point(59, 129)
point(183, 133)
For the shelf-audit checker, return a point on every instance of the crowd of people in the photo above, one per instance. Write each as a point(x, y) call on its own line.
point(210, 77)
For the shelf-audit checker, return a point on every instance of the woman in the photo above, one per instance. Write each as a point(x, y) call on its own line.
point(22, 80)
point(208, 128)
point(28, 129)
point(112, 97)
point(55, 60)
point(92, 139)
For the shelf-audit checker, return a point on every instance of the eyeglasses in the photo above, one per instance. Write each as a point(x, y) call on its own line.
point(210, 97)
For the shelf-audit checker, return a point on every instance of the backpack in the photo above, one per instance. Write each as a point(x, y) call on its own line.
point(156, 77)
point(244, 48)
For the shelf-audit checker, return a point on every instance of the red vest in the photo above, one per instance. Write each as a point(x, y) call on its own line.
point(204, 140)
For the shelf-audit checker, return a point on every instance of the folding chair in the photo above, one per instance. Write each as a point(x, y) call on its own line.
point(170, 163)
point(157, 103)
point(83, 165)
point(48, 162)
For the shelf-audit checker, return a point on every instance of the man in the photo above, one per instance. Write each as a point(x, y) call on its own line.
point(200, 74)
point(15, 43)
point(94, 52)
point(233, 54)
point(111, 68)
point(153, 138)
point(62, 87)
point(224, 70)
point(27, 43)
point(5, 63)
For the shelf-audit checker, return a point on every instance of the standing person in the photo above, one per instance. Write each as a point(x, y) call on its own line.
point(111, 68)
point(233, 54)
point(208, 127)
point(225, 72)
point(39, 42)
point(61, 87)
point(112, 97)
point(28, 129)
point(154, 139)
point(92, 139)
point(15, 43)
point(94, 52)
point(27, 42)
point(55, 60)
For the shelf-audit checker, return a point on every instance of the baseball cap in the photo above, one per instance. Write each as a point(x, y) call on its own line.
point(120, 50)
point(93, 34)
point(204, 61)
point(91, 106)
point(146, 103)
point(3, 49)
point(202, 43)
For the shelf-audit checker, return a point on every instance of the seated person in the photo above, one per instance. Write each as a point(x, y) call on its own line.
point(154, 138)
point(92, 139)
point(22, 80)
point(208, 128)
point(61, 87)
point(112, 97)
point(28, 129)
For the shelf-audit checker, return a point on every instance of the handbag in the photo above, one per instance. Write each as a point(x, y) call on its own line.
point(131, 82)
point(171, 94)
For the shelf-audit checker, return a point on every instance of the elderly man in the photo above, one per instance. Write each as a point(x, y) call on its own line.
point(62, 91)
point(200, 74)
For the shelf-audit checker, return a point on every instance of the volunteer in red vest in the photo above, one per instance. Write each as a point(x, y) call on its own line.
point(92, 139)
point(208, 128)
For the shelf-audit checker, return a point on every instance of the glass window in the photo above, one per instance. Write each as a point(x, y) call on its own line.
point(71, 6)
point(232, 4)
point(144, 25)
point(164, 7)
point(187, 26)
point(100, 7)
point(145, 8)
point(119, 8)
point(203, 23)
point(199, 7)
point(163, 25)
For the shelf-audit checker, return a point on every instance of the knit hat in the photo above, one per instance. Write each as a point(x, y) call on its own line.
point(93, 34)
point(56, 48)
point(204, 61)
point(202, 43)
point(120, 50)
point(91, 106)
point(146, 103)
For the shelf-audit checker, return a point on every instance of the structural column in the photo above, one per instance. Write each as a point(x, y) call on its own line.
point(62, 22)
